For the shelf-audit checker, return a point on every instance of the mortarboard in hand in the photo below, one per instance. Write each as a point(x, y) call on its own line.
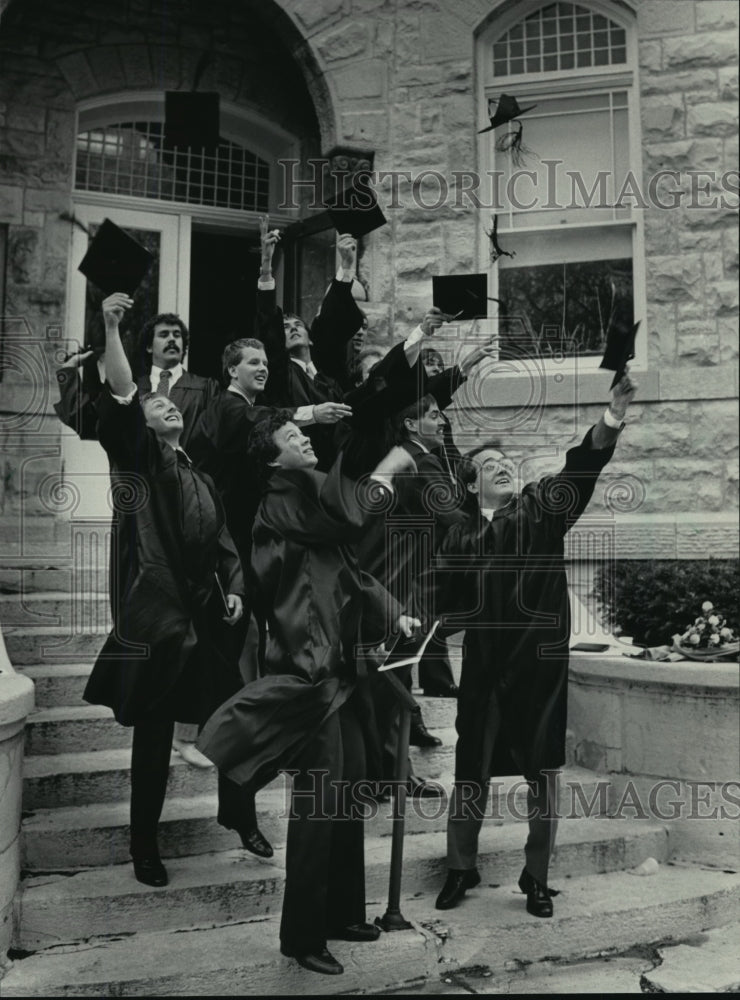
point(355, 209)
point(413, 647)
point(620, 348)
point(114, 261)
point(463, 296)
point(192, 119)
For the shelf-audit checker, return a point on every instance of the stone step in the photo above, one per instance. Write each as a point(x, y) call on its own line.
point(52, 644)
point(57, 684)
point(614, 911)
point(41, 573)
point(234, 885)
point(74, 728)
point(71, 729)
point(83, 609)
point(97, 833)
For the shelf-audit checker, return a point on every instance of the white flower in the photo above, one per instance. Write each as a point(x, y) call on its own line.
point(694, 639)
point(707, 606)
point(713, 620)
point(726, 633)
point(714, 640)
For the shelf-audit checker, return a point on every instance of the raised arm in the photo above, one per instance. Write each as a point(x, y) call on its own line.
point(562, 498)
point(339, 317)
point(117, 367)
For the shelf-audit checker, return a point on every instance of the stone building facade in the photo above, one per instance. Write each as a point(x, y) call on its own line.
point(401, 84)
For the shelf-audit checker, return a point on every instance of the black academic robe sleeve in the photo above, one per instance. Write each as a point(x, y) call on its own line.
point(337, 321)
point(444, 386)
point(269, 329)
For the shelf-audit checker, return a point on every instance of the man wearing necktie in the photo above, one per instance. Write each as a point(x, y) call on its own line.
point(170, 656)
point(163, 344)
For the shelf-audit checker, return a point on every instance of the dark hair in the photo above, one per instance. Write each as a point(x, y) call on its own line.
point(429, 354)
point(262, 449)
point(413, 412)
point(355, 371)
point(147, 397)
point(295, 316)
point(467, 469)
point(234, 352)
point(147, 333)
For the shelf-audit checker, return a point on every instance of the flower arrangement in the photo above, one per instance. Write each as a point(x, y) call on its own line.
point(708, 638)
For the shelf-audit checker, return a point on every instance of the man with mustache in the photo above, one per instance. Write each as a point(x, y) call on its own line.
point(500, 575)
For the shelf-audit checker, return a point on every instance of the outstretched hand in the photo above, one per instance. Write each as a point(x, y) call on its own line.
point(347, 248)
point(330, 413)
point(75, 360)
point(114, 308)
point(622, 395)
point(268, 241)
point(408, 625)
point(434, 320)
point(477, 355)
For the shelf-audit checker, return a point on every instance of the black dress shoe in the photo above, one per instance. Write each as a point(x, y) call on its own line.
point(315, 961)
point(454, 888)
point(421, 789)
point(252, 840)
point(539, 897)
point(419, 735)
point(150, 871)
point(356, 932)
point(451, 691)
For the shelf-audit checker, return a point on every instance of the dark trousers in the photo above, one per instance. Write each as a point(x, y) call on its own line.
point(150, 764)
point(435, 672)
point(325, 862)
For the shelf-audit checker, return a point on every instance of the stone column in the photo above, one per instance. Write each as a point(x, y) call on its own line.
point(16, 701)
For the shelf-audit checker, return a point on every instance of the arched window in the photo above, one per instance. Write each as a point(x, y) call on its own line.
point(566, 206)
point(130, 158)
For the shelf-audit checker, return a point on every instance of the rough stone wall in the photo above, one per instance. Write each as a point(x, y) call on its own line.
point(398, 77)
point(402, 78)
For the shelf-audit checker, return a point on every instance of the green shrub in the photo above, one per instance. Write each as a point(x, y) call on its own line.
point(652, 600)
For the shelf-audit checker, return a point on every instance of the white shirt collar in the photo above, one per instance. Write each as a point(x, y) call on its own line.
point(488, 512)
point(175, 372)
point(417, 442)
point(308, 366)
point(238, 392)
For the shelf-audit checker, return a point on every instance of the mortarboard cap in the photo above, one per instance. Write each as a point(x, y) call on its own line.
point(114, 261)
point(355, 209)
point(506, 110)
point(620, 348)
point(192, 119)
point(464, 296)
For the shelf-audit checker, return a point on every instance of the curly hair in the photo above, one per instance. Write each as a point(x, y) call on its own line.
point(147, 333)
point(262, 449)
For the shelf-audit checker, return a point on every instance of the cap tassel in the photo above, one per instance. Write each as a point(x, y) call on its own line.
point(496, 250)
point(512, 143)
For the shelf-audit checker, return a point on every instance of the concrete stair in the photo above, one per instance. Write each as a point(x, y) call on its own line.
point(87, 928)
point(490, 930)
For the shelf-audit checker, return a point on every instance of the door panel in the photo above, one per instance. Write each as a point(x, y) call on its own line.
point(85, 465)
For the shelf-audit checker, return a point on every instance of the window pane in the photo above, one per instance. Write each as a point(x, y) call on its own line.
point(566, 305)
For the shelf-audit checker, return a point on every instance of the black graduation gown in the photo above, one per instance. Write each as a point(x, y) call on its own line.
point(169, 653)
point(443, 387)
point(504, 582)
point(320, 605)
point(218, 446)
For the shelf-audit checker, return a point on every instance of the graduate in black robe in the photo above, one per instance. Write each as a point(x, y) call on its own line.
point(310, 713)
point(171, 654)
point(500, 576)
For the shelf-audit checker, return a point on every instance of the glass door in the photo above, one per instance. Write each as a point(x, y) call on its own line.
point(167, 236)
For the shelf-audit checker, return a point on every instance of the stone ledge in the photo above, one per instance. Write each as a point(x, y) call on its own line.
point(689, 677)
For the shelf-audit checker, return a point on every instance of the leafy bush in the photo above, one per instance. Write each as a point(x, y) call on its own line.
point(652, 600)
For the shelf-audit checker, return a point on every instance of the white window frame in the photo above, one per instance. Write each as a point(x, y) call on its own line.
point(238, 124)
point(579, 81)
